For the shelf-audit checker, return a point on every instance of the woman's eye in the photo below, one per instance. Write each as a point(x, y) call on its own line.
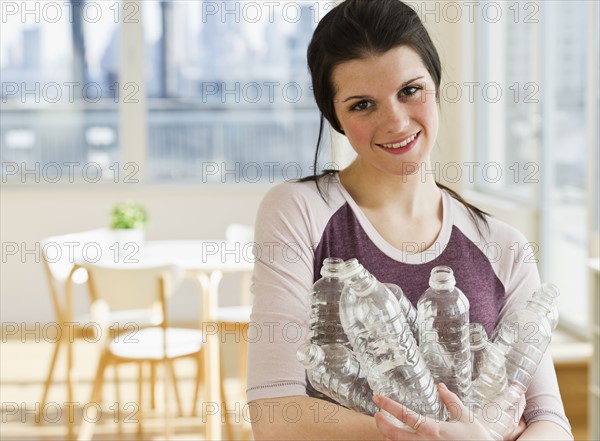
point(362, 105)
point(410, 90)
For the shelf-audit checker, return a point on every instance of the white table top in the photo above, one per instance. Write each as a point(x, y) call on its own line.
point(191, 255)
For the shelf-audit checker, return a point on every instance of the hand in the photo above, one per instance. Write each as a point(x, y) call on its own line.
point(517, 431)
point(461, 424)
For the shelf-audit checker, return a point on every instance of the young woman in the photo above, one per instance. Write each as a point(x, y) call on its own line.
point(376, 77)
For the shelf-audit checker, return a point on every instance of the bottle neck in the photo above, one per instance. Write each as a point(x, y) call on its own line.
point(362, 284)
point(442, 279)
point(541, 309)
point(332, 267)
point(477, 336)
point(544, 298)
point(310, 355)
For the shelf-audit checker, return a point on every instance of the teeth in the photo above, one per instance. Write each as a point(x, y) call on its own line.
point(400, 144)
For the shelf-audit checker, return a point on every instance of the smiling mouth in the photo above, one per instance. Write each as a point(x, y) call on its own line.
point(397, 145)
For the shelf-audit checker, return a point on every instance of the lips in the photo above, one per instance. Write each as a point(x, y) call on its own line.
point(403, 143)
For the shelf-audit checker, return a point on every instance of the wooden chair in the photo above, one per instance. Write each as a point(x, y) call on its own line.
point(138, 287)
point(59, 255)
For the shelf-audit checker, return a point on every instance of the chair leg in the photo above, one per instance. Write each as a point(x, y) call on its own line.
point(118, 397)
point(152, 386)
point(48, 383)
point(70, 380)
point(171, 369)
point(140, 396)
point(199, 381)
point(228, 425)
point(86, 430)
point(243, 358)
point(165, 365)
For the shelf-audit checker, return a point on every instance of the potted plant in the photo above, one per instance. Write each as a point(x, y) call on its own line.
point(128, 222)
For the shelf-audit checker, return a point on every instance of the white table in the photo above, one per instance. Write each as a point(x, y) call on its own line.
point(205, 261)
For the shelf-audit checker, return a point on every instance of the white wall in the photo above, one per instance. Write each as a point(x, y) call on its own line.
point(30, 213)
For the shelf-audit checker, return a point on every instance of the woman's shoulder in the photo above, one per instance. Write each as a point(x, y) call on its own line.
point(303, 193)
point(503, 231)
point(298, 211)
point(487, 228)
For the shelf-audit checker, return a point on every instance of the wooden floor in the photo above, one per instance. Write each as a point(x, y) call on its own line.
point(23, 367)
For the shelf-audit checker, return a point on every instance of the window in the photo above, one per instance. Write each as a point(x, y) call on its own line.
point(509, 115)
point(230, 96)
point(59, 79)
point(540, 137)
point(226, 85)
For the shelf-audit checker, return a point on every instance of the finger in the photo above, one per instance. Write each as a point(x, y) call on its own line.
point(522, 404)
point(456, 409)
point(399, 411)
point(389, 430)
point(516, 432)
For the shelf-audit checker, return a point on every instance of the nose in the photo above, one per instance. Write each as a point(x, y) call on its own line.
point(395, 117)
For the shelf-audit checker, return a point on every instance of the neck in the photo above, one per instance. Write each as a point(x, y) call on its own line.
point(412, 194)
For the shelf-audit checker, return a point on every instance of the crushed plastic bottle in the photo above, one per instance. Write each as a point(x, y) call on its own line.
point(478, 341)
point(409, 311)
point(443, 317)
point(524, 335)
point(324, 320)
point(383, 342)
point(519, 342)
point(494, 402)
point(333, 370)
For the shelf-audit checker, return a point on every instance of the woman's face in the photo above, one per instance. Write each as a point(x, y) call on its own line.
point(386, 105)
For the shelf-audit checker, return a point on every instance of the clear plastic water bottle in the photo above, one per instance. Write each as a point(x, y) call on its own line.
point(478, 341)
point(494, 402)
point(443, 317)
point(409, 311)
point(510, 361)
point(382, 340)
point(324, 320)
point(333, 370)
point(524, 335)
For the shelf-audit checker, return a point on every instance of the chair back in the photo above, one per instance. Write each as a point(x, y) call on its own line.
point(59, 255)
point(132, 286)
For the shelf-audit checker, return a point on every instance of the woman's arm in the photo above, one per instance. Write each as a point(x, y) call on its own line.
point(545, 430)
point(306, 418)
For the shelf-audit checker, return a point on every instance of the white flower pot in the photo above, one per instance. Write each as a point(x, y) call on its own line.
point(129, 241)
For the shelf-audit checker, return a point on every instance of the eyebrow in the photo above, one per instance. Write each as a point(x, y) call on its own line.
point(406, 83)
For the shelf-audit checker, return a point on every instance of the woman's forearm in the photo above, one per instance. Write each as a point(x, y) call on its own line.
point(545, 430)
point(305, 418)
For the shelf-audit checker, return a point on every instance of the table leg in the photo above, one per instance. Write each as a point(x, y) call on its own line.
point(211, 407)
point(70, 342)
